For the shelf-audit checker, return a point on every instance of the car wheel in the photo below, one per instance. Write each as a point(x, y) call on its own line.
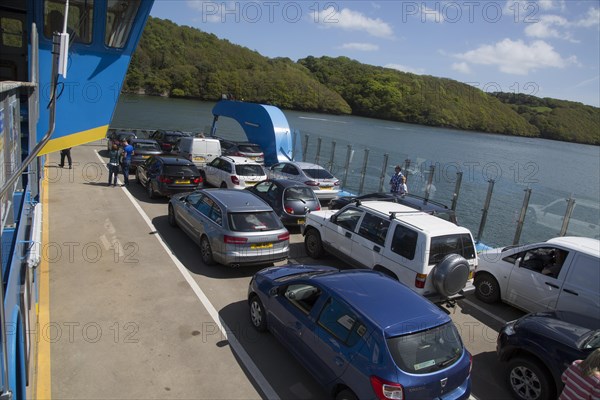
point(487, 288)
point(137, 178)
point(149, 190)
point(223, 185)
point(313, 244)
point(346, 394)
point(528, 380)
point(171, 216)
point(258, 314)
point(206, 252)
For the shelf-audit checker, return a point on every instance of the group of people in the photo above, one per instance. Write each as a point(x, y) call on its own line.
point(119, 158)
point(398, 182)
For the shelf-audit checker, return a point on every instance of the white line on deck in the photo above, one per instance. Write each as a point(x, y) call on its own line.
point(483, 310)
point(259, 378)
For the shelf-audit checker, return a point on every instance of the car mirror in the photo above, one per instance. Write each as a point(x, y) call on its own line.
point(518, 262)
point(274, 291)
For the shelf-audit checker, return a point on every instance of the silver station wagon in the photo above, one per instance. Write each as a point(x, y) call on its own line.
point(232, 227)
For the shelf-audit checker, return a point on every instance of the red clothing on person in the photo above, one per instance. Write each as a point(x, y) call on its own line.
point(578, 386)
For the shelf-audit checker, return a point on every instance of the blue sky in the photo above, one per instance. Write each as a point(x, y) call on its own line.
point(546, 48)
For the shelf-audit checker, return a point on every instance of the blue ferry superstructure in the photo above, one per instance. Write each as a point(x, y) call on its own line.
point(48, 103)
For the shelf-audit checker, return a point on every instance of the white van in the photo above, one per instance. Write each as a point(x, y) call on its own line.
point(562, 273)
point(200, 151)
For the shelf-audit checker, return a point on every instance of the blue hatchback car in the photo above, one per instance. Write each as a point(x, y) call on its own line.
point(361, 334)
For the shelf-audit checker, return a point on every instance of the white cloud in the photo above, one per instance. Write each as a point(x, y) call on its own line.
point(517, 57)
point(360, 46)
point(210, 10)
point(552, 5)
point(404, 68)
point(591, 19)
point(546, 27)
point(462, 67)
point(353, 21)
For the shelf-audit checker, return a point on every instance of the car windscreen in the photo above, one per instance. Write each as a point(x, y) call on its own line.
point(254, 221)
point(299, 193)
point(249, 170)
point(179, 170)
point(249, 148)
point(426, 351)
point(147, 147)
point(317, 173)
point(441, 246)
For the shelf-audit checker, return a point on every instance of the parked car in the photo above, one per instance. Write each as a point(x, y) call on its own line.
point(291, 200)
point(325, 185)
point(249, 150)
point(166, 176)
point(560, 274)
point(360, 334)
point(117, 137)
point(538, 348)
point(199, 150)
point(142, 150)
point(232, 227)
point(433, 257)
point(417, 202)
point(233, 172)
point(167, 139)
point(584, 221)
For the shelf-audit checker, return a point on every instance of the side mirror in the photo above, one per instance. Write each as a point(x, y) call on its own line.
point(274, 291)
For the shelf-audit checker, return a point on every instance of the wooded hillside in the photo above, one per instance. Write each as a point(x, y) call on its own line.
point(180, 61)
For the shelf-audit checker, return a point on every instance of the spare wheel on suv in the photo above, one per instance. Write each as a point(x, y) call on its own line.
point(450, 275)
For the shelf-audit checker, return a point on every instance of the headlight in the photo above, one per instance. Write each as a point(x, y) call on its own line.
point(509, 328)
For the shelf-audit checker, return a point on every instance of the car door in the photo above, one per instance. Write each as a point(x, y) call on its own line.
point(276, 171)
point(530, 286)
point(187, 211)
point(582, 285)
point(368, 242)
point(212, 171)
point(339, 232)
point(142, 172)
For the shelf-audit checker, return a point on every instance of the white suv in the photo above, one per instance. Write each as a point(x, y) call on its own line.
point(433, 257)
point(233, 172)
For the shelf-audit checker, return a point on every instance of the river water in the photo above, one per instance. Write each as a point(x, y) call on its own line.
point(554, 171)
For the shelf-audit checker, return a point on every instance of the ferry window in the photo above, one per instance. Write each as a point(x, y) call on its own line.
point(119, 20)
point(79, 25)
point(12, 32)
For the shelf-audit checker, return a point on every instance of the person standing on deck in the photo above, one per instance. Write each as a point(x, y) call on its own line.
point(582, 379)
point(113, 164)
point(65, 153)
point(127, 153)
point(396, 181)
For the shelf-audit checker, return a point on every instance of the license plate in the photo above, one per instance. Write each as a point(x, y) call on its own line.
point(300, 221)
point(250, 183)
point(261, 246)
point(144, 157)
point(199, 159)
point(326, 187)
point(182, 181)
point(471, 274)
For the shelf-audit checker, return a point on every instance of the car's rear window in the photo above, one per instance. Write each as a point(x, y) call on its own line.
point(441, 246)
point(186, 170)
point(248, 148)
point(172, 137)
point(147, 146)
point(249, 170)
point(254, 221)
point(317, 173)
point(299, 193)
point(427, 351)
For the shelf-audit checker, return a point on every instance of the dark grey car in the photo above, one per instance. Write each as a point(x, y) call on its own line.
point(232, 227)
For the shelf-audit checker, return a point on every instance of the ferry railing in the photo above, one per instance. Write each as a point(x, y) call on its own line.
point(423, 176)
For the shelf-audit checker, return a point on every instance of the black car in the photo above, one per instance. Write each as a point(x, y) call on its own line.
point(166, 176)
point(242, 149)
point(417, 202)
point(290, 200)
point(539, 347)
point(167, 139)
point(142, 150)
point(117, 137)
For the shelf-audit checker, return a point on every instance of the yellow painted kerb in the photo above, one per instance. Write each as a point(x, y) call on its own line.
point(75, 139)
point(43, 383)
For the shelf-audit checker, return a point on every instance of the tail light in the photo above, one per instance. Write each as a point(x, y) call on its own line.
point(237, 153)
point(386, 390)
point(284, 236)
point(318, 208)
point(165, 179)
point(235, 180)
point(311, 183)
point(197, 180)
point(234, 239)
point(420, 280)
point(288, 210)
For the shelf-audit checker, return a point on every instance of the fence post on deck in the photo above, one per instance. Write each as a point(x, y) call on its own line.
point(522, 215)
point(305, 147)
point(459, 176)
point(486, 207)
point(347, 165)
point(362, 173)
point(294, 138)
point(318, 156)
point(407, 168)
point(330, 165)
point(565, 224)
point(383, 169)
point(429, 181)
